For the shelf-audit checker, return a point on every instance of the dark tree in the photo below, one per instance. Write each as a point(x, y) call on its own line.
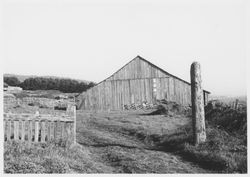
point(64, 85)
point(12, 81)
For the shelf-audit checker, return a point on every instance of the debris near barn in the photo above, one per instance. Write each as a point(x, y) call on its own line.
point(143, 106)
point(171, 108)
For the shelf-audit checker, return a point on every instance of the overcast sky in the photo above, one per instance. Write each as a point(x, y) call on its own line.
point(90, 40)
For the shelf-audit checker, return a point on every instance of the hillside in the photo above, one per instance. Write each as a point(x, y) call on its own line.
point(21, 78)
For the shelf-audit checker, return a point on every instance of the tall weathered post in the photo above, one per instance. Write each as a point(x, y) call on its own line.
point(199, 130)
point(71, 110)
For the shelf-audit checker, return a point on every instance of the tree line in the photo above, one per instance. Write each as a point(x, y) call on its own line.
point(41, 83)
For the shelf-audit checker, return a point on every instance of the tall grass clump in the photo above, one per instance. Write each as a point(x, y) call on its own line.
point(225, 150)
point(20, 157)
point(51, 157)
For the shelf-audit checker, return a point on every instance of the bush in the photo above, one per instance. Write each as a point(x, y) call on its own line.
point(12, 81)
point(226, 118)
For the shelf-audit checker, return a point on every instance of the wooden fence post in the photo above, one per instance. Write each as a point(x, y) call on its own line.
point(198, 117)
point(71, 110)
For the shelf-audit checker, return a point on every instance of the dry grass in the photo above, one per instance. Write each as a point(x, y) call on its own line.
point(125, 141)
point(225, 150)
point(137, 142)
point(19, 157)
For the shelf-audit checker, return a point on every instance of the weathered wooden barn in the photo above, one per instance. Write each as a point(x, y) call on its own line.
point(139, 81)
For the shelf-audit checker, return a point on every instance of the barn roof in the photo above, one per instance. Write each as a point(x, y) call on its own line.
point(139, 57)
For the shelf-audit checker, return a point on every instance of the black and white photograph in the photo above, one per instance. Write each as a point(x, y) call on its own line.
point(124, 86)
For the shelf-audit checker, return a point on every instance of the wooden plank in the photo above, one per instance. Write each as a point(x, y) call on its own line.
point(55, 130)
point(70, 131)
point(58, 129)
point(8, 132)
point(52, 130)
point(173, 89)
point(5, 125)
point(16, 130)
point(30, 127)
point(138, 89)
point(4, 129)
point(124, 93)
point(43, 131)
point(67, 131)
point(158, 87)
point(23, 130)
point(36, 130)
point(139, 69)
point(62, 130)
point(147, 90)
point(48, 130)
point(118, 95)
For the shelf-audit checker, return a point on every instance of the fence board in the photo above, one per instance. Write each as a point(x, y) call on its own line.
point(56, 130)
point(43, 131)
point(67, 130)
point(62, 129)
point(50, 129)
point(4, 129)
point(16, 130)
point(8, 130)
point(30, 131)
point(52, 124)
point(23, 130)
point(36, 130)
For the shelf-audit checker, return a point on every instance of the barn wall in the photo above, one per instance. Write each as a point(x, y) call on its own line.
point(136, 82)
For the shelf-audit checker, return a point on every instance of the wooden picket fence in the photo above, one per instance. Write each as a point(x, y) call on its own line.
point(39, 128)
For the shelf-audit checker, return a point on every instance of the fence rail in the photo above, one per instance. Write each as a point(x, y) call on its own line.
point(39, 128)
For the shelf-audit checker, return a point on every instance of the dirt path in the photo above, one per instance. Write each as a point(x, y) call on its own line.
point(121, 152)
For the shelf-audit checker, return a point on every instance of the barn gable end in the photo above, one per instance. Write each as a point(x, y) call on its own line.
point(139, 81)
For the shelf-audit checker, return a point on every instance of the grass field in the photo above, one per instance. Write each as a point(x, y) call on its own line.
point(139, 142)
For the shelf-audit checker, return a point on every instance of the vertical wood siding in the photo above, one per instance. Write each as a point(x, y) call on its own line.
point(133, 84)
